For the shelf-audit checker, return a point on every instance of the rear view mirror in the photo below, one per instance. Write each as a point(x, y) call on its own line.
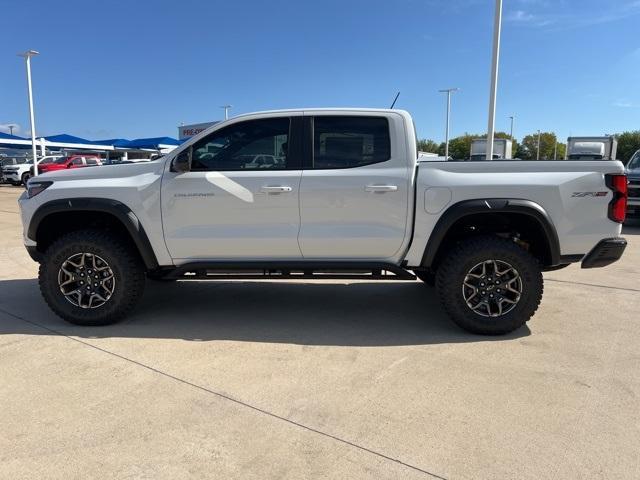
point(182, 163)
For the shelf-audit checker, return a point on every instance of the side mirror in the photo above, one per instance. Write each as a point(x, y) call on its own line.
point(182, 163)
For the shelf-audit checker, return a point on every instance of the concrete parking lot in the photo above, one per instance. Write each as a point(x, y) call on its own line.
point(319, 380)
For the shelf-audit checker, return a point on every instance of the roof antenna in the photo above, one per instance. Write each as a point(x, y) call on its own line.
point(395, 100)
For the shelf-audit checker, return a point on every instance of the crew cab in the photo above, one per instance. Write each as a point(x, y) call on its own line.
point(70, 161)
point(350, 198)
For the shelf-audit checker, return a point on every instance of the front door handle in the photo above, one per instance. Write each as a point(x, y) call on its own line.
point(381, 188)
point(276, 189)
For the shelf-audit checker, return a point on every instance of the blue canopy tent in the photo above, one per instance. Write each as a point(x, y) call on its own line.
point(155, 143)
point(13, 141)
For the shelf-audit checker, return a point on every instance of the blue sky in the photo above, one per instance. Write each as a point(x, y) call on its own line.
point(139, 68)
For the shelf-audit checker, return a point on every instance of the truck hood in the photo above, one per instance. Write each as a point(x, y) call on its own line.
point(105, 171)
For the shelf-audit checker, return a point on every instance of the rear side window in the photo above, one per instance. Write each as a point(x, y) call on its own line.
point(92, 161)
point(347, 142)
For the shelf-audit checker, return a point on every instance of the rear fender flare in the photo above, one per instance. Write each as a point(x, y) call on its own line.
point(491, 205)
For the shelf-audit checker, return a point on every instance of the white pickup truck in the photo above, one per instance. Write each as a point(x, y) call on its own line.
point(348, 198)
point(21, 172)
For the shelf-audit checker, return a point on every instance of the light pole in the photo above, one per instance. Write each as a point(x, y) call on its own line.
point(27, 56)
point(512, 119)
point(497, 28)
point(226, 110)
point(538, 154)
point(448, 91)
point(555, 151)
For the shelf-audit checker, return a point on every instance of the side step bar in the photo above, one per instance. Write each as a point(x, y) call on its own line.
point(288, 270)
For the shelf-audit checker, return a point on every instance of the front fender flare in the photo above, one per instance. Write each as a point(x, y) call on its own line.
point(118, 209)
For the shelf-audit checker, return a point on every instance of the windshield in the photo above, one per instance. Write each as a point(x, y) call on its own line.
point(635, 161)
point(60, 160)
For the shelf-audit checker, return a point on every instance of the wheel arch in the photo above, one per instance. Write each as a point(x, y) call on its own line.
point(72, 212)
point(492, 214)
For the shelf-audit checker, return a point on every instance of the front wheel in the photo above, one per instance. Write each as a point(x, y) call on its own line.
point(91, 277)
point(489, 285)
point(25, 178)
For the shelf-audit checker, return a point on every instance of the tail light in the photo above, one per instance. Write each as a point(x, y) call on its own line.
point(618, 205)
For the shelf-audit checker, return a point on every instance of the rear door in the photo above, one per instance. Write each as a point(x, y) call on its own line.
point(354, 194)
point(228, 206)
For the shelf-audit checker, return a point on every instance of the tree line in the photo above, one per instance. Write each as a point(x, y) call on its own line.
point(527, 149)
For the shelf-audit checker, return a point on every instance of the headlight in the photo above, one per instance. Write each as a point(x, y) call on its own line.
point(36, 187)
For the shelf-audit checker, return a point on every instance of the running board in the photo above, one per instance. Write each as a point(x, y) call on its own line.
point(288, 271)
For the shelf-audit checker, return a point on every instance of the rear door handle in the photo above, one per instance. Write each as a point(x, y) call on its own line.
point(275, 189)
point(381, 188)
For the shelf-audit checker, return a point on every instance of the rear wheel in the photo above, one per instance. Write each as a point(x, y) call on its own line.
point(489, 285)
point(91, 277)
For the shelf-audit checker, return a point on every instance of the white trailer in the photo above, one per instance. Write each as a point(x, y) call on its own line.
point(592, 148)
point(502, 149)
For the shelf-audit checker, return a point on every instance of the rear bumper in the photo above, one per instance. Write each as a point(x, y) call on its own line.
point(605, 253)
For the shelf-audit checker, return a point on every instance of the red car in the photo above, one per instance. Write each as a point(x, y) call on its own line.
point(72, 161)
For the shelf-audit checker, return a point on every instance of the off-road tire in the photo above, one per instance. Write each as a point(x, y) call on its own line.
point(127, 268)
point(462, 258)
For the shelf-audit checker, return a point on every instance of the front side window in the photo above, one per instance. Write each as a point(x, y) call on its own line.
point(346, 142)
point(77, 161)
point(92, 161)
point(250, 145)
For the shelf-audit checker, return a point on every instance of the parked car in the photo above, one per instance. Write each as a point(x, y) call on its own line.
point(21, 172)
point(633, 172)
point(352, 199)
point(71, 161)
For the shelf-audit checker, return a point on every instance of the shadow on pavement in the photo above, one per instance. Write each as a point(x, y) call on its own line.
point(357, 314)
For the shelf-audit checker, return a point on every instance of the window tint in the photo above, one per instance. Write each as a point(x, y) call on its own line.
point(92, 161)
point(343, 142)
point(77, 161)
point(251, 145)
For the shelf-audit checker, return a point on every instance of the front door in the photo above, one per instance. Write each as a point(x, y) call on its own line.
point(240, 198)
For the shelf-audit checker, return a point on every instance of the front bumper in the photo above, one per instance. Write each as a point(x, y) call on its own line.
point(633, 207)
point(605, 253)
point(11, 176)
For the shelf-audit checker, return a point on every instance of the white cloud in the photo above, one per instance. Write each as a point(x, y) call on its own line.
point(572, 19)
point(624, 103)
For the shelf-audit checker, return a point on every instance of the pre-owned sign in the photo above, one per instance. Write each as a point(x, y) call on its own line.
point(186, 131)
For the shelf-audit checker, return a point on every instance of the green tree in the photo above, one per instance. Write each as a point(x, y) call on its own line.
point(426, 145)
point(628, 144)
point(459, 147)
point(528, 150)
